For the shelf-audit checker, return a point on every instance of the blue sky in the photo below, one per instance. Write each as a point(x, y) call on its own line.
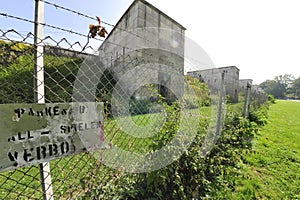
point(260, 37)
point(109, 11)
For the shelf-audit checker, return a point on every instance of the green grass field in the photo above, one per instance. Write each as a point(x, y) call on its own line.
point(272, 169)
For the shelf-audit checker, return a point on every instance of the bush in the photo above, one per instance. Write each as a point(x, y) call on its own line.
point(193, 176)
point(271, 98)
point(199, 96)
point(259, 116)
point(17, 80)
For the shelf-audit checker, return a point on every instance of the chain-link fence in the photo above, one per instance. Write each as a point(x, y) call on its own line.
point(135, 81)
point(77, 175)
point(18, 86)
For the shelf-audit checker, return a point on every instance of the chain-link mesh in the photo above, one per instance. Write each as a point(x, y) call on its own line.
point(17, 86)
point(75, 72)
point(77, 175)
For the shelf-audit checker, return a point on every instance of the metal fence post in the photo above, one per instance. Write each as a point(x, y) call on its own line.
point(40, 88)
point(220, 106)
point(247, 100)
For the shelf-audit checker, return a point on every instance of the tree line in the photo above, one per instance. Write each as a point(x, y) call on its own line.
point(283, 87)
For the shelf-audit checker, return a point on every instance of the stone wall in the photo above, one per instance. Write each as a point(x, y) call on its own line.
point(57, 51)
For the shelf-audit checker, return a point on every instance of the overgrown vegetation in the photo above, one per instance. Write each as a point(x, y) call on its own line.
point(17, 79)
point(191, 176)
point(10, 51)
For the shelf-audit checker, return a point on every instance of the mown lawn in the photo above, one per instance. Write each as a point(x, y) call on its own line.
point(272, 169)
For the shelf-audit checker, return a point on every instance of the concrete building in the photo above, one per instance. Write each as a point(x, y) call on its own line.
point(148, 46)
point(213, 79)
point(243, 83)
point(258, 96)
point(257, 89)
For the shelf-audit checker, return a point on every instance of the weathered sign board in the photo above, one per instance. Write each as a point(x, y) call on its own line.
point(36, 133)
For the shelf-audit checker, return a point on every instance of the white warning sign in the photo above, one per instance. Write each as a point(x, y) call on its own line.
point(36, 133)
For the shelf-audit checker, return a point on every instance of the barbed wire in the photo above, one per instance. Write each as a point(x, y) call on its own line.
point(86, 36)
point(24, 37)
point(58, 28)
point(47, 25)
point(90, 17)
point(75, 12)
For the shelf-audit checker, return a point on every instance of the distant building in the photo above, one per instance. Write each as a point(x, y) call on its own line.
point(243, 83)
point(212, 77)
point(258, 95)
point(257, 89)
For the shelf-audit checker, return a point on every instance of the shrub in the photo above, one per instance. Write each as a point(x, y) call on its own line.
point(17, 80)
point(193, 176)
point(271, 98)
point(259, 116)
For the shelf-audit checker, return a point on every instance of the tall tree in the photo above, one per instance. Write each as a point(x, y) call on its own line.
point(274, 88)
point(295, 89)
point(285, 81)
point(279, 86)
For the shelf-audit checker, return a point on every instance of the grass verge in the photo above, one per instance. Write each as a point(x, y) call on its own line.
point(272, 169)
